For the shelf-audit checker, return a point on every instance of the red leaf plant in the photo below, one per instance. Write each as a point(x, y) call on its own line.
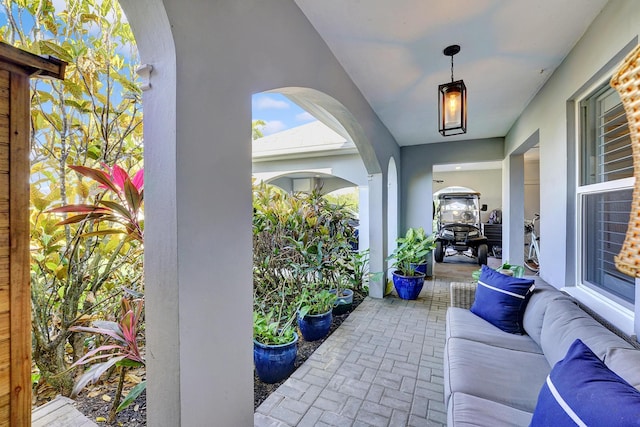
point(127, 195)
point(122, 350)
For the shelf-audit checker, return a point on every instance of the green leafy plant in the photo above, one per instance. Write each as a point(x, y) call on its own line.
point(270, 331)
point(412, 250)
point(298, 241)
point(94, 116)
point(516, 270)
point(122, 351)
point(356, 269)
point(315, 301)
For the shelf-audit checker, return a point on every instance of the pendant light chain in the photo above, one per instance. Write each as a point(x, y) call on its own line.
point(452, 68)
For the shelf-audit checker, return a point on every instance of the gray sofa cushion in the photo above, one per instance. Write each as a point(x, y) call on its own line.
point(467, 410)
point(540, 299)
point(510, 377)
point(462, 323)
point(564, 322)
point(626, 363)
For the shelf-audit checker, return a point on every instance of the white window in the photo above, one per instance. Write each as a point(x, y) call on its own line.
point(604, 194)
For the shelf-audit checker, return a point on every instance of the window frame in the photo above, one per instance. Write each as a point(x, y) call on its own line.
point(612, 301)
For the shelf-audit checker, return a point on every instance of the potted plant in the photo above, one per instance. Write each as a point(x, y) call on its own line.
point(417, 238)
point(344, 296)
point(353, 274)
point(274, 347)
point(358, 269)
point(315, 312)
point(411, 251)
point(276, 264)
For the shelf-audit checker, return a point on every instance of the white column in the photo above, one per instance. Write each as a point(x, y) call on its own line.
point(513, 216)
point(363, 202)
point(376, 235)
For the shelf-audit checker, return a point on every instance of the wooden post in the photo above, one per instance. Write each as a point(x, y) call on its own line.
point(16, 67)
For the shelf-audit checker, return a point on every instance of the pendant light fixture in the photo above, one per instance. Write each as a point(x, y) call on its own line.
point(452, 102)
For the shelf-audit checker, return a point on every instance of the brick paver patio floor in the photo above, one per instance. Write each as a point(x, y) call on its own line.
point(381, 367)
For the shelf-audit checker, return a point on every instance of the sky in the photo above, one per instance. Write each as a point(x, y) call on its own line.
point(275, 109)
point(278, 112)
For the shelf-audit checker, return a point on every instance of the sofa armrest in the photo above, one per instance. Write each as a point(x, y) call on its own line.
point(463, 294)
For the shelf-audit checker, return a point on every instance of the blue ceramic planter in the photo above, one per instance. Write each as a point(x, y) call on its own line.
point(408, 287)
point(344, 303)
point(274, 362)
point(420, 268)
point(315, 326)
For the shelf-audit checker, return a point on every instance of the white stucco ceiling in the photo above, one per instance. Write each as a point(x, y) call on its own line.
point(392, 50)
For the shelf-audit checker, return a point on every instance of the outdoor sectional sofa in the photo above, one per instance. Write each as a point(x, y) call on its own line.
point(494, 378)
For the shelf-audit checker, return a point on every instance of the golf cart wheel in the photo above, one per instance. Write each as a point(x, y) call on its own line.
point(483, 251)
point(439, 253)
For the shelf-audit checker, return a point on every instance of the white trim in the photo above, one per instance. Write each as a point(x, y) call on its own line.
point(501, 290)
point(618, 315)
point(564, 405)
point(601, 187)
point(591, 295)
point(266, 176)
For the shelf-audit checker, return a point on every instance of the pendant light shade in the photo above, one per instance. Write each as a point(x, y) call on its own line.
point(452, 102)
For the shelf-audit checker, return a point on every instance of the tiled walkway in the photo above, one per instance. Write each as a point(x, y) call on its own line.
point(59, 413)
point(381, 367)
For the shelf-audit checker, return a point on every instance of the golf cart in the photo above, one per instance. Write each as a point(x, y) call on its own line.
point(457, 217)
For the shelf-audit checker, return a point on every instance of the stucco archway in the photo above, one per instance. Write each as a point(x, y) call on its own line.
point(336, 116)
point(198, 204)
point(152, 31)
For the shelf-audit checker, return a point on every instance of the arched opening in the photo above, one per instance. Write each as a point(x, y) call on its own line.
point(329, 153)
point(198, 197)
point(464, 195)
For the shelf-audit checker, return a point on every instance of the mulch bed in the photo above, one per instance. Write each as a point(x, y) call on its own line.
point(93, 405)
point(97, 410)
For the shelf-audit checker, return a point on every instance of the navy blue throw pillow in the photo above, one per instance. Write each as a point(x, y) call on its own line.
point(501, 299)
point(581, 390)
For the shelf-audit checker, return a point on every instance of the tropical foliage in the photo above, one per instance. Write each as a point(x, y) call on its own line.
point(90, 119)
point(124, 353)
point(412, 250)
point(256, 129)
point(124, 211)
point(119, 207)
point(301, 246)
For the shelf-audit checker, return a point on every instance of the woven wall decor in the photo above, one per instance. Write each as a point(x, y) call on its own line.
point(626, 81)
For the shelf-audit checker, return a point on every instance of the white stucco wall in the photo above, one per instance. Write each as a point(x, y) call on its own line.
point(417, 174)
point(531, 189)
point(208, 59)
point(613, 33)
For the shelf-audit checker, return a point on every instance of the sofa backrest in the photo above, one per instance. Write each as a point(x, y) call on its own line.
point(564, 322)
point(626, 363)
point(542, 295)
